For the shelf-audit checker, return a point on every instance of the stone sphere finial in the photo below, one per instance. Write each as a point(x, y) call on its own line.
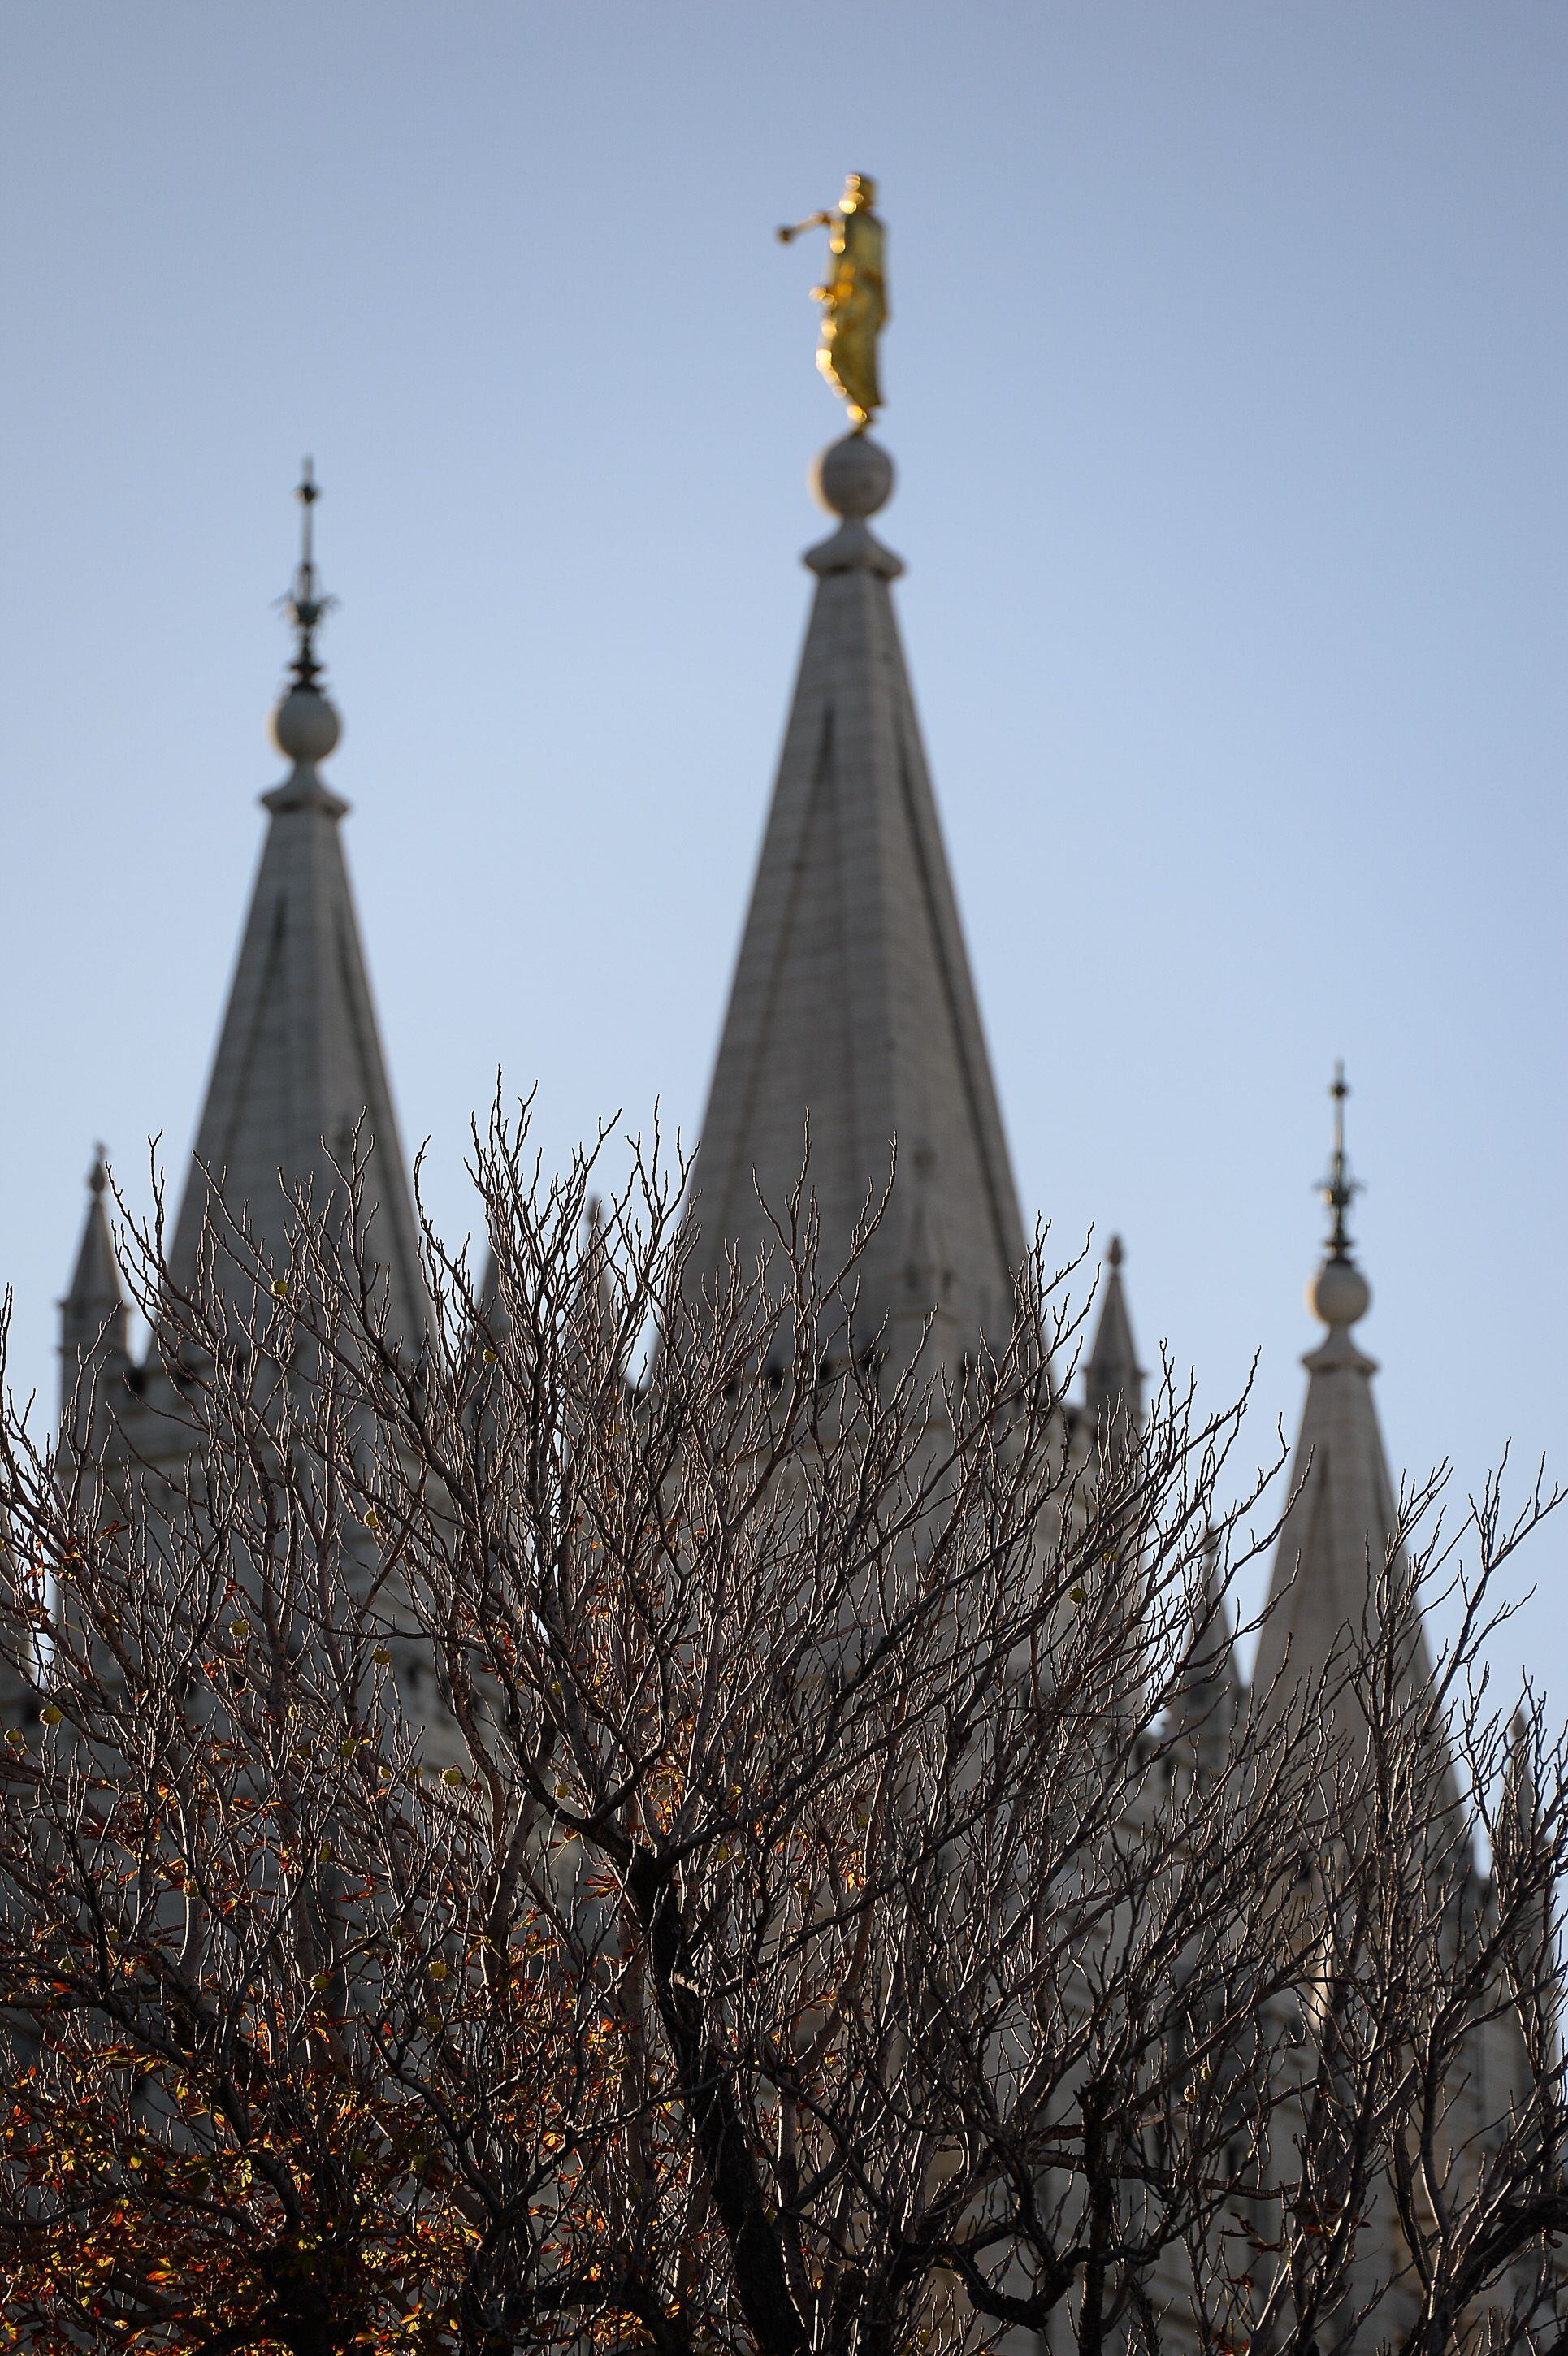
point(853, 478)
point(1340, 1293)
point(306, 726)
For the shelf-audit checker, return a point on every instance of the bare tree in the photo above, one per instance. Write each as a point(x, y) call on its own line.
point(506, 1855)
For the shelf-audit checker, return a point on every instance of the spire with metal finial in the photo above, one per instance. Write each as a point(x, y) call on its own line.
point(852, 913)
point(1340, 1293)
point(299, 1077)
point(306, 726)
point(1113, 1380)
point(1209, 1693)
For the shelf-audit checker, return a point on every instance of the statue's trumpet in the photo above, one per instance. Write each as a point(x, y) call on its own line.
point(817, 220)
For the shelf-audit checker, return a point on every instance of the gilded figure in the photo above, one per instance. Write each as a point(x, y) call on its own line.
point(853, 296)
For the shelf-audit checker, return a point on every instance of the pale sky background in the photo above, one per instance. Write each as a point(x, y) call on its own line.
point(1227, 386)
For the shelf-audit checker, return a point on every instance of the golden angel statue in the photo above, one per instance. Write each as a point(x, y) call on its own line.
point(853, 296)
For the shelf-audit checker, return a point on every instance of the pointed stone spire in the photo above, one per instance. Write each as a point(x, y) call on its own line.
point(494, 1317)
point(591, 1363)
point(1524, 1785)
point(852, 1006)
point(1342, 1525)
point(594, 1342)
point(1112, 1378)
point(1522, 1840)
point(298, 1071)
point(1521, 1788)
point(1210, 1692)
point(92, 1326)
point(593, 1308)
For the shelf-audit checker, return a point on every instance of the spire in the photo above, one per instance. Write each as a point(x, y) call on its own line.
point(1341, 1527)
point(1339, 1189)
point(1112, 1378)
point(1209, 1693)
point(591, 1363)
point(594, 1339)
point(494, 1317)
point(1521, 1849)
point(1521, 1784)
point(852, 1005)
point(591, 1327)
point(93, 1313)
point(592, 1305)
point(298, 1071)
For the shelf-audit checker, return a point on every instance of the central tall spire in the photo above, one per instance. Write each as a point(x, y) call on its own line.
point(853, 1012)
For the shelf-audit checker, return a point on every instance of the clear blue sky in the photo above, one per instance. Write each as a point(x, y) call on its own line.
point(1227, 386)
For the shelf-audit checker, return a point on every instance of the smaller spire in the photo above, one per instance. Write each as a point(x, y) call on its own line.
point(1523, 1791)
point(93, 1313)
point(494, 1318)
point(595, 1339)
point(1523, 1840)
point(1207, 1705)
point(592, 1334)
point(1112, 1378)
point(1342, 1531)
